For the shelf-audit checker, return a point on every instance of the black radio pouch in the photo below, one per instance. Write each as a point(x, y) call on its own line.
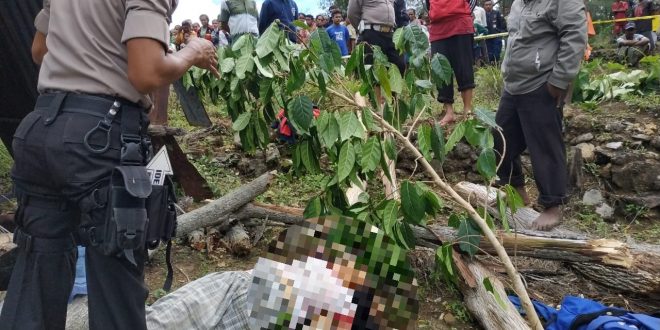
point(161, 211)
point(126, 220)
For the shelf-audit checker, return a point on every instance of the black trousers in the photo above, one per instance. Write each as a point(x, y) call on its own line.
point(459, 51)
point(532, 121)
point(53, 172)
point(384, 41)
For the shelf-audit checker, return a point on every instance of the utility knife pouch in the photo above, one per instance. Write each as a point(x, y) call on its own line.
point(126, 221)
point(161, 212)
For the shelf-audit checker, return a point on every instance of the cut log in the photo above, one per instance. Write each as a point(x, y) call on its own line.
point(219, 211)
point(485, 307)
point(238, 241)
point(627, 268)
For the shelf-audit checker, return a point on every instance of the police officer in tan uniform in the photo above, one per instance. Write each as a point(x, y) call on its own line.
point(86, 133)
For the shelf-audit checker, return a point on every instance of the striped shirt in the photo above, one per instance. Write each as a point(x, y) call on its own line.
point(240, 15)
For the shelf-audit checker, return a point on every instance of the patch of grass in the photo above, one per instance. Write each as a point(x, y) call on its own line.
point(647, 102)
point(458, 309)
point(220, 179)
point(5, 166)
point(490, 86)
point(294, 191)
point(590, 222)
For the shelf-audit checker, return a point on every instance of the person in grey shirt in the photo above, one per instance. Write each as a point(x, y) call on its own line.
point(546, 44)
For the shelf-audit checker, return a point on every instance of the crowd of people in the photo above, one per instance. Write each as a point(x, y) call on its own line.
point(636, 37)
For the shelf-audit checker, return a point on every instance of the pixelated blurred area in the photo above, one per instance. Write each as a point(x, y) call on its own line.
point(334, 272)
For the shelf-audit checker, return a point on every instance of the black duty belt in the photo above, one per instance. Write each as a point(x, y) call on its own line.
point(379, 27)
point(98, 104)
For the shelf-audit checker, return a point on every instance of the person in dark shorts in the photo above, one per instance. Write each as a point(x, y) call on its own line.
point(451, 33)
point(378, 17)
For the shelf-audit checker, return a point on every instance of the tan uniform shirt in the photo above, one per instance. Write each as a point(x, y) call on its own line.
point(86, 42)
point(372, 12)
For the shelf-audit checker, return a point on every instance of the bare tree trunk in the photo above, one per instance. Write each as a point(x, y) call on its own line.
point(219, 211)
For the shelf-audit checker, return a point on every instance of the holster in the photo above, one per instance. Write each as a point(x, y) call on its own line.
point(161, 212)
point(126, 221)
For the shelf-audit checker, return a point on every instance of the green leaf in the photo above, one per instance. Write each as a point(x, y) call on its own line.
point(405, 236)
point(490, 288)
point(513, 198)
point(455, 220)
point(383, 79)
point(301, 25)
point(314, 208)
point(309, 157)
point(486, 216)
point(282, 60)
point(444, 261)
point(396, 81)
point(300, 113)
point(349, 125)
point(433, 202)
point(438, 143)
point(330, 135)
point(390, 148)
point(385, 168)
point(346, 160)
point(455, 136)
point(227, 65)
point(297, 76)
point(267, 41)
point(265, 71)
point(390, 216)
point(242, 121)
point(398, 40)
point(371, 154)
point(412, 203)
point(424, 140)
point(425, 84)
point(486, 163)
point(486, 117)
point(356, 59)
point(441, 72)
point(501, 209)
point(368, 120)
point(468, 237)
point(244, 65)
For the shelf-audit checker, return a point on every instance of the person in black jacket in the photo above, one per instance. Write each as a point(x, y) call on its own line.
point(400, 13)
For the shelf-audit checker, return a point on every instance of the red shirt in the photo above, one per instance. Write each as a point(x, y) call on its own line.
point(450, 26)
point(619, 8)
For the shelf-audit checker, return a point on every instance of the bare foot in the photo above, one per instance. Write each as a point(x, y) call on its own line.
point(448, 119)
point(550, 218)
point(524, 195)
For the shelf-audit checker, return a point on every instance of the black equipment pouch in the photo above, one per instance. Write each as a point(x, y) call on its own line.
point(126, 220)
point(161, 211)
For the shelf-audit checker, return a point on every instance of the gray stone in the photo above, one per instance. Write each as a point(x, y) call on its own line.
point(603, 155)
point(649, 201)
point(656, 142)
point(588, 152)
point(638, 176)
point(592, 197)
point(605, 211)
point(583, 138)
point(615, 127)
point(463, 151)
point(642, 137)
point(614, 145)
point(272, 154)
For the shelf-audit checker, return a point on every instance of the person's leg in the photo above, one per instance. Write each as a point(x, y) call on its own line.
point(464, 70)
point(387, 45)
point(541, 123)
point(445, 93)
point(510, 172)
point(43, 275)
point(497, 49)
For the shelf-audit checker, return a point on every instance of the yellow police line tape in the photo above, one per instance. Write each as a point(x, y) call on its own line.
point(626, 19)
point(654, 17)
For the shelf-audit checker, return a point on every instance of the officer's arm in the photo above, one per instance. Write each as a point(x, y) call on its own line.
point(355, 12)
point(41, 22)
point(39, 48)
point(150, 66)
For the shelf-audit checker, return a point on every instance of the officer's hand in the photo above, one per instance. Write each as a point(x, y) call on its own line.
point(207, 58)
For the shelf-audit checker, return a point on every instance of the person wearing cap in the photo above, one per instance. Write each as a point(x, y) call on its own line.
point(324, 273)
point(89, 119)
point(379, 21)
point(543, 56)
point(632, 46)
